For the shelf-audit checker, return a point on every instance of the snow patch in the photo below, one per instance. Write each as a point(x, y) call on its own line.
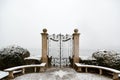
point(60, 73)
point(3, 74)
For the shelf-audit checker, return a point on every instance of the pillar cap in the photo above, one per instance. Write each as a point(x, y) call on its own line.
point(45, 30)
point(76, 30)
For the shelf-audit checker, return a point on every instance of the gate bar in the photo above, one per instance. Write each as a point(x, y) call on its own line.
point(60, 50)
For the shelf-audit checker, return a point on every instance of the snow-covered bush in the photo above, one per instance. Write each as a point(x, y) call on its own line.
point(12, 56)
point(107, 58)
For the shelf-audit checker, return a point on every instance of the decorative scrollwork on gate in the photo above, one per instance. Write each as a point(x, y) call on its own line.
point(60, 48)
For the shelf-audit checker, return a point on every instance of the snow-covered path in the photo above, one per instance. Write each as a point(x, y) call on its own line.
point(62, 74)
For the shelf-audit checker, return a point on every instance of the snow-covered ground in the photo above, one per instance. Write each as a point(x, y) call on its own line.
point(62, 74)
point(3, 74)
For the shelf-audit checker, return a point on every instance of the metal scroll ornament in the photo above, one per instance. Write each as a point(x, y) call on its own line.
point(60, 48)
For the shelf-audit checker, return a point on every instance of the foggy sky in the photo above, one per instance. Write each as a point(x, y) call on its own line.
point(98, 21)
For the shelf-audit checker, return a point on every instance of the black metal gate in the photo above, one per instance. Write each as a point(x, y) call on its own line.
point(60, 49)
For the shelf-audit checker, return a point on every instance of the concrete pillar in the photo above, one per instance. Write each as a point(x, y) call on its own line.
point(75, 46)
point(10, 76)
point(115, 76)
point(100, 71)
point(44, 46)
